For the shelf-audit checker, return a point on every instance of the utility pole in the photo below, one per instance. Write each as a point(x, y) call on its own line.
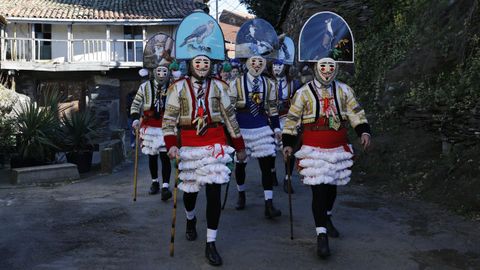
point(216, 9)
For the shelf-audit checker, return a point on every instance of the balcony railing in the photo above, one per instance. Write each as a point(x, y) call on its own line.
point(71, 51)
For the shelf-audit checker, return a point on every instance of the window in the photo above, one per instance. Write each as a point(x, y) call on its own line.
point(43, 33)
point(133, 33)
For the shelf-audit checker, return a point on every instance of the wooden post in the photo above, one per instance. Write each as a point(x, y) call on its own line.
point(2, 44)
point(144, 37)
point(109, 44)
point(14, 47)
point(69, 44)
point(34, 44)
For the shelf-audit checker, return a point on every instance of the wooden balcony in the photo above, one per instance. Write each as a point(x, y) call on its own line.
point(70, 55)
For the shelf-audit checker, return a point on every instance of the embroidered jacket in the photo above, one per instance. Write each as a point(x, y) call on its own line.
point(307, 108)
point(148, 100)
point(285, 95)
point(241, 97)
point(181, 107)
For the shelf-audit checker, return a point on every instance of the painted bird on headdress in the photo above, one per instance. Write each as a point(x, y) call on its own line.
point(328, 36)
point(199, 34)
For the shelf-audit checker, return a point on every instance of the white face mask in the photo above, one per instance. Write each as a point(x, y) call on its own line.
point(278, 70)
point(326, 70)
point(256, 65)
point(161, 74)
point(200, 67)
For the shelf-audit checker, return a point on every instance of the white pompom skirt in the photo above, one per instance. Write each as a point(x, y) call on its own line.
point(203, 165)
point(259, 142)
point(325, 166)
point(152, 140)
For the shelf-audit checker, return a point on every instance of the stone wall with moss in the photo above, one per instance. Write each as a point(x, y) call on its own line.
point(417, 72)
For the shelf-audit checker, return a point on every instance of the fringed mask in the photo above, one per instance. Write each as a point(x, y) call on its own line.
point(326, 70)
point(256, 65)
point(200, 67)
point(161, 74)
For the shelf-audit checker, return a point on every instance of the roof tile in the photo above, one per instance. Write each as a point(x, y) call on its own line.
point(95, 9)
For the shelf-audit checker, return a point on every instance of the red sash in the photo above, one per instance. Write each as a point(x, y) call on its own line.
point(326, 138)
point(150, 121)
point(211, 137)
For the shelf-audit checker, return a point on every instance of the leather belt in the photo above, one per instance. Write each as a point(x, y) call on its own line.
point(192, 127)
point(317, 127)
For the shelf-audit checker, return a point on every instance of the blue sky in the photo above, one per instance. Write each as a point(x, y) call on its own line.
point(232, 5)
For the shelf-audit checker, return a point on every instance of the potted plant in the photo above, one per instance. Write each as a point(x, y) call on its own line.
point(79, 132)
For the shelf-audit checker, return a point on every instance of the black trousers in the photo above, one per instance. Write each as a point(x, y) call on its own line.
point(266, 168)
point(213, 192)
point(323, 198)
point(166, 167)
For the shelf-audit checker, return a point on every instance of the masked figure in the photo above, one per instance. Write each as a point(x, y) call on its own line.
point(285, 87)
point(324, 107)
point(150, 99)
point(197, 110)
point(255, 100)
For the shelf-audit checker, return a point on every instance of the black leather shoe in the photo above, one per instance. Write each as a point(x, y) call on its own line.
point(331, 230)
point(270, 211)
point(166, 194)
point(154, 188)
point(275, 180)
point(241, 201)
point(285, 187)
point(191, 232)
point(212, 255)
point(323, 250)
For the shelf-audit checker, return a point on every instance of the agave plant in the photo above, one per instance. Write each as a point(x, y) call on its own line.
point(38, 129)
point(80, 129)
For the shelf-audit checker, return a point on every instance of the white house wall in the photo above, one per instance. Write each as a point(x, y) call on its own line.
point(59, 48)
point(118, 49)
point(22, 29)
point(153, 29)
point(89, 44)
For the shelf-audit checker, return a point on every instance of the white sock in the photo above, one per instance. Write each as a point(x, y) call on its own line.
point(165, 185)
point(155, 180)
point(321, 230)
point(211, 235)
point(190, 214)
point(268, 194)
point(329, 213)
point(241, 188)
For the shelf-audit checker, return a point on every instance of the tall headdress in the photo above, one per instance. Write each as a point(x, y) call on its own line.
point(159, 50)
point(286, 51)
point(199, 34)
point(326, 34)
point(256, 38)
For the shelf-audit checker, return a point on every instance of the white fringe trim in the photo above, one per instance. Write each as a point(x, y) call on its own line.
point(152, 140)
point(325, 166)
point(255, 133)
point(200, 165)
point(259, 141)
point(332, 155)
point(196, 153)
point(189, 186)
point(153, 151)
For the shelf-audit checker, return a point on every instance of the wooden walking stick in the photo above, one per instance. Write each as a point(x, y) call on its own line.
point(174, 213)
point(135, 172)
point(289, 179)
